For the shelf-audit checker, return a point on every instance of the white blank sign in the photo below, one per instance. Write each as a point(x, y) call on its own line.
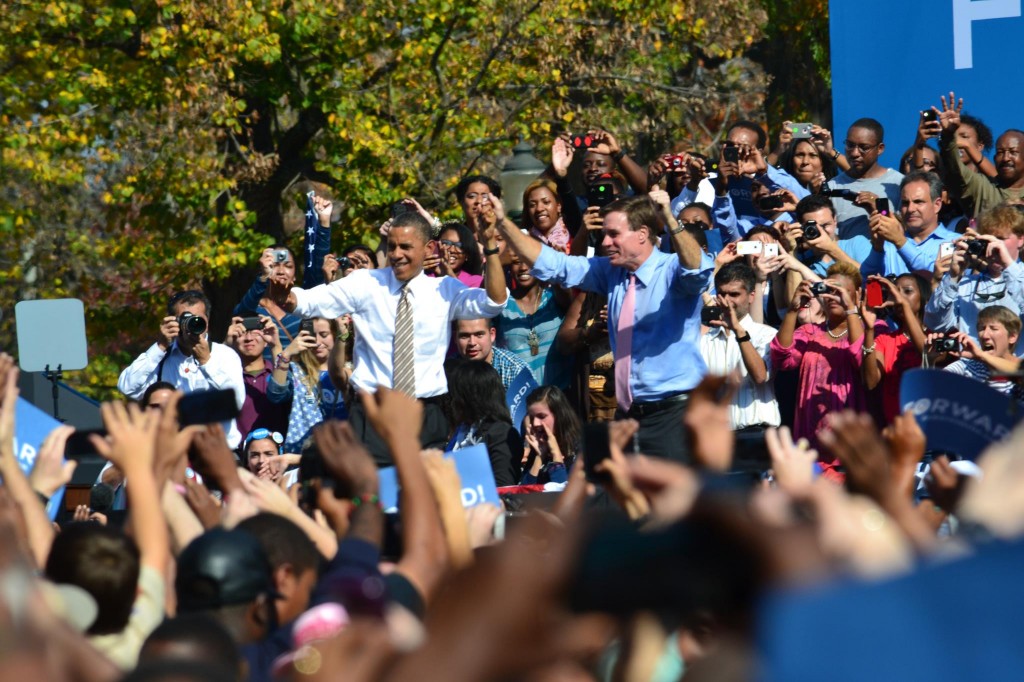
point(51, 333)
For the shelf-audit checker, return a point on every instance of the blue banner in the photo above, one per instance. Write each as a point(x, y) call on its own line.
point(522, 386)
point(890, 60)
point(957, 414)
point(474, 467)
point(31, 427)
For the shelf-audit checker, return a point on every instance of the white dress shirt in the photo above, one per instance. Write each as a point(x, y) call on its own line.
point(754, 404)
point(371, 297)
point(223, 370)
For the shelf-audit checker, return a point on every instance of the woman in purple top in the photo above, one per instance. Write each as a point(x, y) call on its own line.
point(460, 255)
point(828, 355)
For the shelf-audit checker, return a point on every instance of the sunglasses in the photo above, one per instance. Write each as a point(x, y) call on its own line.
point(260, 434)
point(449, 242)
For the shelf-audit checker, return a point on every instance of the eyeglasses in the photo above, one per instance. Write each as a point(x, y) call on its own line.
point(449, 242)
point(864, 148)
point(260, 434)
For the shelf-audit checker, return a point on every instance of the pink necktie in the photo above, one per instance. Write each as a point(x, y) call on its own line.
point(624, 347)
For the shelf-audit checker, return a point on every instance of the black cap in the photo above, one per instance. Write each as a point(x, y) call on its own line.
point(221, 568)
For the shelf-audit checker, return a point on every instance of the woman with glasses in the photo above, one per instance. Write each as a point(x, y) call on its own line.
point(460, 255)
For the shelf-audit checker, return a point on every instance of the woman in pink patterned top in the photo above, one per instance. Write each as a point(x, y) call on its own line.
point(828, 355)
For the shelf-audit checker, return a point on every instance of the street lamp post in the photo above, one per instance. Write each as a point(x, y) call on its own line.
point(522, 169)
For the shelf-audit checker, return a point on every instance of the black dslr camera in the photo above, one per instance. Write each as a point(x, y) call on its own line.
point(811, 230)
point(976, 248)
point(190, 324)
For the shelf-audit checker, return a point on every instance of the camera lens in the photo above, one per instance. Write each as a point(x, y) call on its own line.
point(192, 324)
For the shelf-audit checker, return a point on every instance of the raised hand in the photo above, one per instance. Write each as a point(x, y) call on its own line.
point(50, 471)
point(131, 436)
point(323, 208)
point(345, 458)
point(561, 156)
point(949, 117)
point(792, 463)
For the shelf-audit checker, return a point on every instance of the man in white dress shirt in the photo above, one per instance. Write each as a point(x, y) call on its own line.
point(186, 358)
point(374, 299)
point(736, 342)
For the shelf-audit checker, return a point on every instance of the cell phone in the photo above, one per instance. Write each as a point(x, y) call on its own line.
point(929, 115)
point(800, 131)
point(770, 202)
point(307, 326)
point(207, 407)
point(847, 194)
point(251, 323)
point(771, 250)
point(875, 294)
point(602, 191)
point(731, 153)
point(79, 444)
point(595, 450)
point(882, 205)
point(711, 313)
point(946, 249)
point(749, 248)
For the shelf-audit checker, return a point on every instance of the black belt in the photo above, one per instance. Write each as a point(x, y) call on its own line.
point(642, 409)
point(754, 428)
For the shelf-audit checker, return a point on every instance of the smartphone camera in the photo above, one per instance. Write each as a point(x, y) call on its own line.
point(307, 326)
point(770, 203)
point(251, 323)
point(811, 230)
point(602, 191)
point(929, 115)
point(582, 142)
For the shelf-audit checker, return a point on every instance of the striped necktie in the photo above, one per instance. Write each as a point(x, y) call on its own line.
point(403, 360)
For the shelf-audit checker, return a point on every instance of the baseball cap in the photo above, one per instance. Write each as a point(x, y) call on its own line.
point(221, 568)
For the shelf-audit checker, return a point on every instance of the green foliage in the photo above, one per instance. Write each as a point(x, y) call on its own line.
point(157, 145)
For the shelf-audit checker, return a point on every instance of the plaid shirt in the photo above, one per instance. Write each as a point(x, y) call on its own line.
point(508, 365)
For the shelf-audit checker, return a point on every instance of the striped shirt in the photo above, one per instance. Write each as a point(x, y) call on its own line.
point(976, 369)
point(754, 404)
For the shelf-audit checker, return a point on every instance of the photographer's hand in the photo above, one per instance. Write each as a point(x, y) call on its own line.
point(201, 350)
point(168, 332)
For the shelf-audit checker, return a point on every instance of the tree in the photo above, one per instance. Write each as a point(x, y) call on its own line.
point(153, 146)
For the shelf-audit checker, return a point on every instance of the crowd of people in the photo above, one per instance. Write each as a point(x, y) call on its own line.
point(714, 347)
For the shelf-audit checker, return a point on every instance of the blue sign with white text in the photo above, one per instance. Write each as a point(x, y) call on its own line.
point(31, 427)
point(957, 413)
point(891, 60)
point(515, 397)
point(474, 467)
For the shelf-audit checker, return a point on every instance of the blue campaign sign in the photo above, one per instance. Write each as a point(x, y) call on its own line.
point(31, 427)
point(515, 397)
point(474, 467)
point(890, 60)
point(957, 414)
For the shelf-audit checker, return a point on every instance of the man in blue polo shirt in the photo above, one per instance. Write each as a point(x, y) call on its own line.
point(653, 313)
point(918, 239)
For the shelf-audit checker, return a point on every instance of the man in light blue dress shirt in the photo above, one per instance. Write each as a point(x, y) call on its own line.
point(665, 363)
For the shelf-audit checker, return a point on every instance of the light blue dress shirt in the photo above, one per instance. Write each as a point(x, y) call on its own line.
point(915, 257)
point(666, 356)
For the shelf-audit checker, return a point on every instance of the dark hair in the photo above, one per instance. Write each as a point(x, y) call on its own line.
point(924, 286)
point(908, 158)
point(762, 137)
point(983, 131)
point(477, 393)
point(153, 388)
point(872, 125)
point(787, 161)
point(812, 203)
point(104, 562)
point(171, 670)
point(640, 212)
point(415, 221)
point(210, 640)
point(283, 541)
point(736, 271)
point(464, 183)
point(474, 263)
point(764, 229)
point(568, 428)
point(188, 297)
point(933, 181)
point(698, 235)
point(365, 249)
point(700, 206)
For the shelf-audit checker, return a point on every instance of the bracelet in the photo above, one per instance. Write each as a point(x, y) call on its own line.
point(491, 252)
point(618, 155)
point(745, 337)
point(282, 361)
point(852, 311)
point(42, 498)
point(676, 230)
point(835, 154)
point(868, 350)
point(360, 500)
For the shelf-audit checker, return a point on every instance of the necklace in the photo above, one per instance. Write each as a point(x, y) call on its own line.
point(532, 339)
point(836, 336)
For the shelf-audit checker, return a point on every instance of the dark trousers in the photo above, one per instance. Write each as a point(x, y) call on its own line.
point(751, 452)
point(661, 433)
point(433, 432)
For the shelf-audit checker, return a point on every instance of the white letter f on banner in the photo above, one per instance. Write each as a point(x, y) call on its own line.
point(965, 12)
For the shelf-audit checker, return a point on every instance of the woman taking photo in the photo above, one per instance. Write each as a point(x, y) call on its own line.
point(460, 255)
point(553, 433)
point(805, 162)
point(301, 374)
point(480, 415)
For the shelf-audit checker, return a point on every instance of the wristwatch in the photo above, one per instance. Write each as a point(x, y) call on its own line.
point(491, 252)
point(745, 337)
point(835, 154)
